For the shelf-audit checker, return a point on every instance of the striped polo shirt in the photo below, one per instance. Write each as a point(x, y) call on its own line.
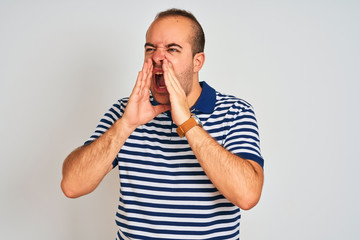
point(164, 192)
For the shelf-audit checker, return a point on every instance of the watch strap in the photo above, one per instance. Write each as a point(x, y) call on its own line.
point(186, 126)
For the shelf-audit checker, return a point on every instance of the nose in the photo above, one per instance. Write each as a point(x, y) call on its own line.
point(158, 56)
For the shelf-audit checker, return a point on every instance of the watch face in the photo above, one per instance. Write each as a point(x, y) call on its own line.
point(197, 120)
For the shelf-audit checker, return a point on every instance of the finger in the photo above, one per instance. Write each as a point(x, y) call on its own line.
point(177, 82)
point(173, 79)
point(137, 87)
point(143, 76)
point(145, 79)
point(167, 77)
point(149, 75)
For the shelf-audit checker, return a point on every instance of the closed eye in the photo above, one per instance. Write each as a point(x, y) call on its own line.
point(174, 47)
point(173, 50)
point(149, 47)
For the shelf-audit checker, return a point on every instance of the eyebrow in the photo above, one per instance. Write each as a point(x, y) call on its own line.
point(149, 45)
point(168, 46)
point(173, 45)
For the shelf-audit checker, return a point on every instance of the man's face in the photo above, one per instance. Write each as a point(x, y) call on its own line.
point(170, 38)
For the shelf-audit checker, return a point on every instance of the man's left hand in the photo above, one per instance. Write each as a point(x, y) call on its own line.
point(180, 111)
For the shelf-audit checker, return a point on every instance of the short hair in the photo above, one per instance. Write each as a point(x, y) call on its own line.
point(198, 44)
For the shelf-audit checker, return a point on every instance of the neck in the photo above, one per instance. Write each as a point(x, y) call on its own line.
point(193, 96)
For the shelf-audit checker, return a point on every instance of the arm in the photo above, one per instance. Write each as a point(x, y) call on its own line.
point(86, 166)
point(239, 180)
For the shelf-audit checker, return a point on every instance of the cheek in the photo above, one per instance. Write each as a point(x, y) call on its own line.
point(172, 59)
point(146, 57)
point(179, 64)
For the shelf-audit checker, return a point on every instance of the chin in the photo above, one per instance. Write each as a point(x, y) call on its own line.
point(162, 99)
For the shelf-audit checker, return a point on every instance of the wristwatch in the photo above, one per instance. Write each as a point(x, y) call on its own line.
point(188, 124)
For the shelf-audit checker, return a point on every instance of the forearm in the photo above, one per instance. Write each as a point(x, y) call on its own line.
point(86, 166)
point(239, 180)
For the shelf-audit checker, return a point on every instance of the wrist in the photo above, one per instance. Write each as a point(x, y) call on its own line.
point(186, 126)
point(126, 128)
point(184, 119)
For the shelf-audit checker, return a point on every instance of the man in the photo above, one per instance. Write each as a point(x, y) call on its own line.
point(179, 180)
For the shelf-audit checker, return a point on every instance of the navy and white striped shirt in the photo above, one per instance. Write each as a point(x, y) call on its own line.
point(164, 192)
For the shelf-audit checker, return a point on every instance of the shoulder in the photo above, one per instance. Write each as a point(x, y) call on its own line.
point(231, 103)
point(115, 111)
point(120, 104)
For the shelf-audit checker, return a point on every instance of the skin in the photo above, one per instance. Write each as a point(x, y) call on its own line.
point(167, 50)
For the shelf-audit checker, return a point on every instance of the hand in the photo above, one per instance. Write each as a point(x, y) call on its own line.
point(180, 111)
point(139, 109)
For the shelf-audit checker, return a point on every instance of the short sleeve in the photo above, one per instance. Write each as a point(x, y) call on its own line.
point(109, 118)
point(242, 137)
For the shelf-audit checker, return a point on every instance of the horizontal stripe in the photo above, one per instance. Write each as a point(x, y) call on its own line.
point(168, 231)
point(178, 216)
point(174, 163)
point(181, 205)
point(214, 236)
point(167, 189)
point(156, 148)
point(150, 138)
point(124, 152)
point(176, 181)
point(159, 172)
point(181, 224)
point(170, 198)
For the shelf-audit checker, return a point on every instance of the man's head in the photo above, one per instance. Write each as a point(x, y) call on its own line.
point(177, 36)
point(197, 37)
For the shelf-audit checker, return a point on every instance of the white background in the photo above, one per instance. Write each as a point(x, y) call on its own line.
point(64, 63)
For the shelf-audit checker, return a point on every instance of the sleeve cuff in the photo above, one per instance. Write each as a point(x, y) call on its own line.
point(249, 156)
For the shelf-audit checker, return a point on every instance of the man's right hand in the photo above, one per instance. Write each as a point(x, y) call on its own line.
point(139, 109)
point(86, 166)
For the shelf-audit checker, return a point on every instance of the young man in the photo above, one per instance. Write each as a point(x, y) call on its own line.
point(188, 156)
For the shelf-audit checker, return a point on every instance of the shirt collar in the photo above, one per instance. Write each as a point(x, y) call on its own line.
point(206, 101)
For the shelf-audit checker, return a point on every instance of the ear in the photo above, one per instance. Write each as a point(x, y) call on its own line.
point(198, 61)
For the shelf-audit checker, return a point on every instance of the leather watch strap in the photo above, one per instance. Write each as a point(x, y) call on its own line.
point(187, 125)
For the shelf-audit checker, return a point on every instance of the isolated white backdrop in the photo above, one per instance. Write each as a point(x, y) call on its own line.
point(63, 63)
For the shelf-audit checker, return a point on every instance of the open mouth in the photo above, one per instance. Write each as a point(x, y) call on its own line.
point(159, 80)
